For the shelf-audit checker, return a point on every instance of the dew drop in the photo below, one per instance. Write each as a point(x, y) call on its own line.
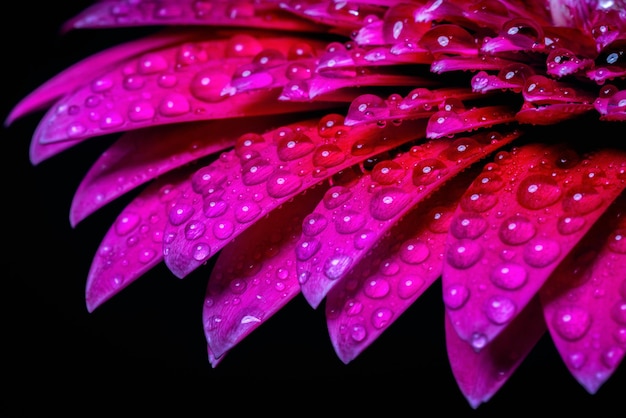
point(349, 221)
point(538, 191)
point(567, 225)
point(223, 230)
point(408, 286)
point(140, 111)
point(478, 202)
point(294, 146)
point(194, 230)
point(213, 206)
point(314, 223)
point(146, 255)
point(201, 251)
point(180, 213)
point(307, 248)
point(174, 104)
point(516, 230)
point(618, 312)
point(468, 225)
point(336, 196)
point(464, 253)
point(335, 267)
point(387, 172)
point(126, 223)
point(208, 85)
point(541, 252)
point(247, 211)
point(479, 341)
point(577, 360)
point(364, 239)
point(414, 251)
point(427, 171)
point(509, 276)
point(381, 317)
point(377, 288)
point(353, 307)
point(455, 296)
point(111, 120)
point(612, 357)
point(500, 309)
point(282, 183)
point(152, 63)
point(388, 202)
point(581, 200)
point(358, 333)
point(571, 322)
point(328, 155)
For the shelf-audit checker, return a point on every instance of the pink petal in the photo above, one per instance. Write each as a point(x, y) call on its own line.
point(134, 243)
point(254, 276)
point(585, 301)
point(359, 215)
point(407, 260)
point(501, 248)
point(122, 13)
point(481, 374)
point(121, 168)
point(89, 68)
point(263, 172)
point(189, 82)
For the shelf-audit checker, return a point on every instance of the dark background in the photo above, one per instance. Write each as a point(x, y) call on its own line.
point(144, 350)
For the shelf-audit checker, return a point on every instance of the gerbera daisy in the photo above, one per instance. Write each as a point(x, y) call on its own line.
point(356, 158)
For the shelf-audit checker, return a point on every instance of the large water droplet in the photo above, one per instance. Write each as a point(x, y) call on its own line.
point(307, 248)
point(500, 309)
point(282, 183)
point(349, 221)
point(571, 322)
point(314, 223)
point(509, 276)
point(376, 288)
point(582, 200)
point(180, 213)
point(388, 202)
point(618, 312)
point(455, 296)
point(294, 146)
point(381, 317)
point(174, 104)
point(247, 211)
point(516, 230)
point(409, 286)
point(464, 253)
point(328, 155)
point(427, 171)
point(336, 266)
point(336, 196)
point(256, 171)
point(541, 252)
point(468, 225)
point(538, 191)
point(414, 251)
point(223, 229)
point(208, 85)
point(126, 223)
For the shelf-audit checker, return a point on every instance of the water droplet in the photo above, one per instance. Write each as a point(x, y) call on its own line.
point(462, 148)
point(473, 201)
point(247, 211)
point(328, 155)
point(314, 223)
point(414, 251)
point(500, 309)
point(237, 286)
point(201, 251)
point(455, 296)
point(213, 206)
point(180, 213)
point(571, 322)
point(152, 63)
point(336, 266)
point(388, 202)
point(126, 223)
point(282, 183)
point(294, 146)
point(134, 82)
point(538, 191)
point(358, 333)
point(307, 248)
point(577, 360)
point(336, 196)
point(570, 224)
point(174, 104)
point(516, 230)
point(541, 252)
point(364, 239)
point(387, 172)
point(612, 357)
point(223, 229)
point(468, 225)
point(509, 276)
point(381, 317)
point(117, 281)
point(146, 255)
point(376, 288)
point(389, 268)
point(101, 84)
point(140, 111)
point(582, 200)
point(349, 221)
point(427, 171)
point(408, 286)
point(111, 120)
point(464, 253)
point(208, 85)
point(479, 341)
point(353, 307)
point(194, 230)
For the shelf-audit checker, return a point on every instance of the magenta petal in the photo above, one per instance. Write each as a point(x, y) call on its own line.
point(359, 215)
point(75, 76)
point(585, 301)
point(186, 83)
point(260, 174)
point(121, 168)
point(502, 248)
point(123, 13)
point(254, 277)
point(134, 243)
point(481, 374)
point(409, 258)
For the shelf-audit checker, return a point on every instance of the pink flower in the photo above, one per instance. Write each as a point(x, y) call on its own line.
point(358, 155)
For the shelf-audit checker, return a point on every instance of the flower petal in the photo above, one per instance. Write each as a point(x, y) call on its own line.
point(134, 243)
point(481, 374)
point(491, 273)
point(584, 301)
point(360, 215)
point(254, 276)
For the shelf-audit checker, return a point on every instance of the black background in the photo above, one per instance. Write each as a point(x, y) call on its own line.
point(144, 350)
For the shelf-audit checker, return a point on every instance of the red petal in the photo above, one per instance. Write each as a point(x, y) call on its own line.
point(585, 301)
point(509, 235)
